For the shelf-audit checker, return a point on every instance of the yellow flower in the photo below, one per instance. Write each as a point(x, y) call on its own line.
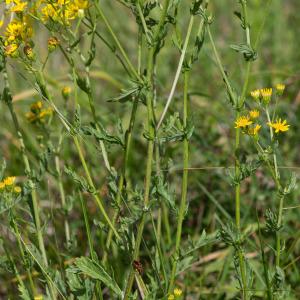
point(254, 114)
point(2, 185)
point(280, 88)
point(38, 297)
point(243, 122)
point(66, 91)
point(9, 180)
point(177, 292)
point(171, 297)
point(255, 94)
point(36, 106)
point(53, 42)
point(11, 50)
point(266, 94)
point(279, 125)
point(19, 6)
point(17, 189)
point(254, 131)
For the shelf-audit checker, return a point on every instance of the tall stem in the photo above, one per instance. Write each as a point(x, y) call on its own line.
point(182, 208)
point(151, 132)
point(34, 200)
point(237, 163)
point(122, 177)
point(97, 198)
point(62, 191)
point(281, 197)
point(118, 43)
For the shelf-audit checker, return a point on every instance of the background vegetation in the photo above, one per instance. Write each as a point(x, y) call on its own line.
point(91, 159)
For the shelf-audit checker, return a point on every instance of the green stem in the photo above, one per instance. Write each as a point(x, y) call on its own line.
point(182, 207)
point(128, 136)
point(151, 132)
point(221, 68)
point(281, 199)
point(62, 191)
point(90, 241)
point(115, 38)
point(178, 72)
point(91, 183)
point(34, 200)
point(20, 246)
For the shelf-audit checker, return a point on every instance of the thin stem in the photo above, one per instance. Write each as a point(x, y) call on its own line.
point(122, 177)
point(178, 72)
point(281, 198)
point(221, 68)
point(62, 191)
point(182, 208)
point(90, 241)
point(34, 200)
point(115, 38)
point(272, 137)
point(91, 183)
point(151, 132)
point(20, 246)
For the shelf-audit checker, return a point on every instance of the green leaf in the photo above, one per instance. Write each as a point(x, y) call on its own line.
point(24, 294)
point(94, 270)
point(249, 53)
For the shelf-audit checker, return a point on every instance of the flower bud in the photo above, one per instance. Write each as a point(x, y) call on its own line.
point(66, 91)
point(53, 42)
point(28, 51)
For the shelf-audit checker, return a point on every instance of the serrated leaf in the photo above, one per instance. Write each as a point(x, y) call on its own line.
point(94, 270)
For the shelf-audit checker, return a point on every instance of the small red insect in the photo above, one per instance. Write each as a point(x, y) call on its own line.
point(137, 265)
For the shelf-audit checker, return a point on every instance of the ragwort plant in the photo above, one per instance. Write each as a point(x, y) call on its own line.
point(130, 252)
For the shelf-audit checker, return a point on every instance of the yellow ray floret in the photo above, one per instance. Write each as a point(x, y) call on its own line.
point(255, 130)
point(266, 94)
point(255, 94)
point(254, 114)
point(279, 126)
point(243, 122)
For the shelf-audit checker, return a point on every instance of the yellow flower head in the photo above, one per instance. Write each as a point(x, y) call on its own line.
point(38, 297)
point(53, 42)
point(254, 114)
point(19, 6)
point(36, 106)
point(243, 122)
point(171, 297)
point(279, 126)
point(66, 91)
point(177, 292)
point(17, 189)
point(11, 50)
point(266, 94)
point(280, 88)
point(255, 94)
point(2, 185)
point(254, 131)
point(9, 180)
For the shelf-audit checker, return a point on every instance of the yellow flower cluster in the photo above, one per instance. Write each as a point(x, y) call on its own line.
point(8, 185)
point(246, 123)
point(265, 94)
point(62, 11)
point(19, 30)
point(176, 294)
point(279, 125)
point(37, 113)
